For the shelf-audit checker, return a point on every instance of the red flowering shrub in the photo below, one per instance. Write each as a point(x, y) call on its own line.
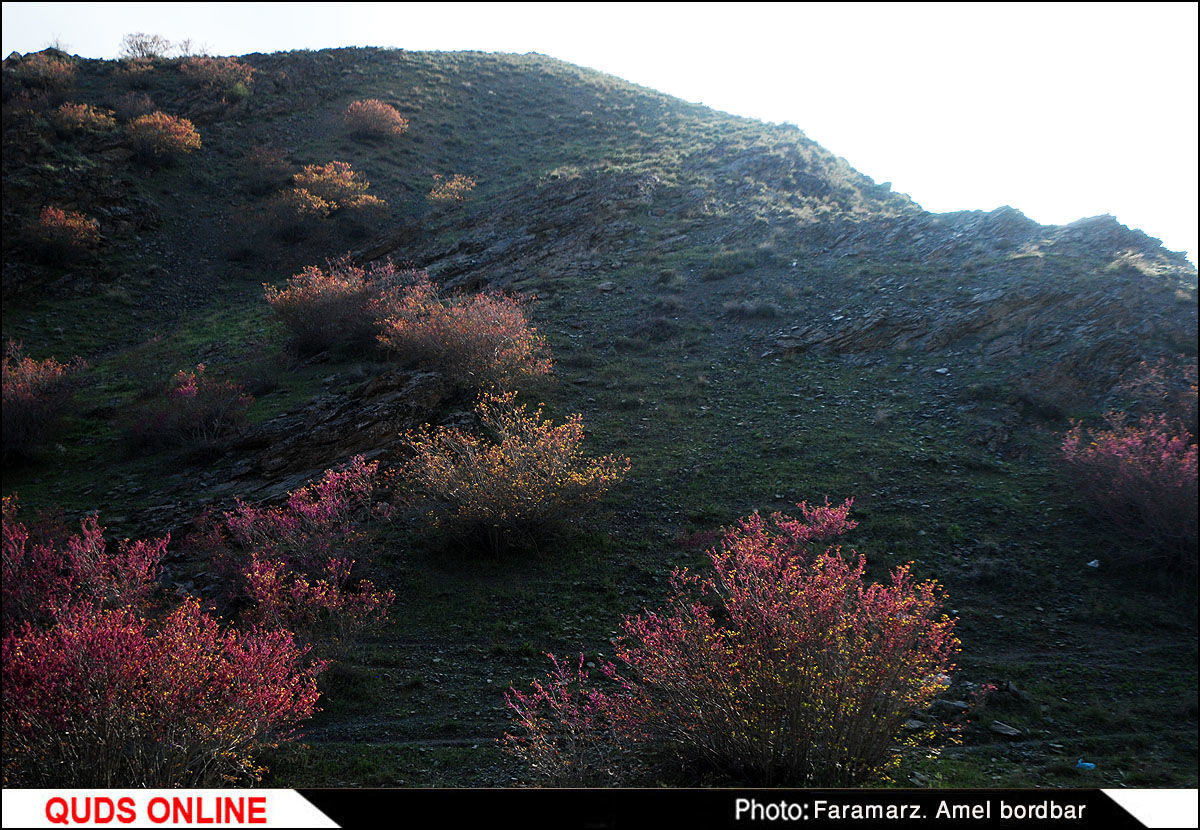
point(374, 118)
point(1140, 479)
point(161, 138)
point(476, 342)
point(454, 189)
point(107, 698)
point(333, 308)
point(291, 565)
point(512, 484)
point(198, 413)
point(779, 668)
point(47, 567)
point(71, 118)
point(36, 394)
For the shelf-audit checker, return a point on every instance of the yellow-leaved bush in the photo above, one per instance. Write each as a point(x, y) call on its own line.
point(511, 484)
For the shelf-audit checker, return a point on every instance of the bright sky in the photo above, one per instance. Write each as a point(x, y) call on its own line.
point(1060, 110)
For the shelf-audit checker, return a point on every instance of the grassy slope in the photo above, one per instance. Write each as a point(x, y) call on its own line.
point(714, 430)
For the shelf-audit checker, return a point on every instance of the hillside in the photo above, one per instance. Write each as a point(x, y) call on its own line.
point(750, 320)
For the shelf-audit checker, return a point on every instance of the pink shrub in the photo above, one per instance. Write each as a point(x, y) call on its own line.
point(573, 733)
point(48, 567)
point(107, 698)
point(1140, 479)
point(325, 605)
point(775, 669)
point(291, 565)
point(198, 413)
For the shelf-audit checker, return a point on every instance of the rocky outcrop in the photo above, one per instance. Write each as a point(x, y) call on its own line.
point(368, 419)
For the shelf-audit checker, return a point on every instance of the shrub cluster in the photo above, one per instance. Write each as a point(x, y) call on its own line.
point(197, 413)
point(101, 691)
point(47, 567)
point(221, 76)
point(72, 118)
point(42, 71)
point(36, 394)
point(1140, 479)
point(161, 138)
point(781, 666)
point(335, 307)
point(451, 190)
point(374, 118)
point(109, 698)
point(335, 186)
point(65, 235)
point(319, 192)
point(512, 484)
point(291, 565)
point(476, 342)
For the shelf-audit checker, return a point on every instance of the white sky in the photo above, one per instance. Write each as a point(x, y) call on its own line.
point(1060, 110)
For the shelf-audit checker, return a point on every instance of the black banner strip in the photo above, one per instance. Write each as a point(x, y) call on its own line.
point(699, 809)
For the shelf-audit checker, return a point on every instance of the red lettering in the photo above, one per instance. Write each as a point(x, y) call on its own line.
point(158, 801)
point(258, 810)
point(125, 811)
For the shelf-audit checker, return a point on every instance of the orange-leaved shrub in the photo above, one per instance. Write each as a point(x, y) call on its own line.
point(100, 689)
point(333, 308)
point(319, 192)
point(65, 235)
point(46, 71)
point(36, 394)
point(337, 185)
point(475, 341)
point(781, 666)
point(71, 118)
point(373, 117)
point(520, 478)
point(222, 76)
point(293, 565)
point(450, 190)
point(161, 138)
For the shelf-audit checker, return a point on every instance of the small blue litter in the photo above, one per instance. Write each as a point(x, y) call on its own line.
point(1082, 764)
